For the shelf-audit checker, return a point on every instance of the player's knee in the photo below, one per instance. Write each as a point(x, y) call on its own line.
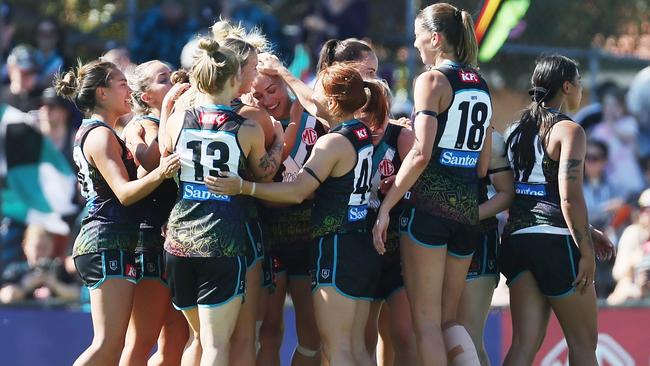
point(403, 337)
point(271, 336)
point(427, 329)
point(459, 345)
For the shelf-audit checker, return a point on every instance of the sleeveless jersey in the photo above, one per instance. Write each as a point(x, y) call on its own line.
point(498, 163)
point(291, 225)
point(105, 212)
point(341, 203)
point(250, 207)
point(448, 186)
point(204, 224)
point(159, 203)
point(385, 162)
point(536, 206)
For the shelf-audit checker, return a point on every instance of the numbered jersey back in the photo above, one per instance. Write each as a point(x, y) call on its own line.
point(341, 203)
point(448, 186)
point(204, 224)
point(461, 128)
point(207, 145)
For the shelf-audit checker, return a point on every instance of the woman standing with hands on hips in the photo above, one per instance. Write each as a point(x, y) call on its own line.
point(440, 229)
point(346, 267)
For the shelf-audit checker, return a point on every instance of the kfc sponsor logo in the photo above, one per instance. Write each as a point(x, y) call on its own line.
point(361, 133)
point(211, 119)
point(468, 77)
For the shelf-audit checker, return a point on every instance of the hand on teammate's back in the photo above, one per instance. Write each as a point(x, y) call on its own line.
point(226, 183)
point(169, 165)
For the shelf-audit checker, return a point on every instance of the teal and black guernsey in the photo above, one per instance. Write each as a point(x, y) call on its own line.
point(157, 206)
point(537, 194)
point(109, 224)
point(385, 163)
point(341, 203)
point(448, 186)
point(251, 207)
point(290, 226)
point(204, 224)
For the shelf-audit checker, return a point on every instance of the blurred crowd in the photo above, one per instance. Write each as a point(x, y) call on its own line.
point(38, 228)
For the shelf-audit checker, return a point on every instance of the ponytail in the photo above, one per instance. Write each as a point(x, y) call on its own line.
point(348, 50)
point(213, 66)
point(456, 25)
point(327, 54)
point(467, 48)
point(537, 121)
point(376, 109)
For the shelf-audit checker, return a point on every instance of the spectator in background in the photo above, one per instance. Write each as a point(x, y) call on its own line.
point(39, 185)
point(592, 114)
point(252, 16)
point(335, 19)
point(162, 33)
point(619, 130)
point(58, 121)
point(41, 276)
point(602, 200)
point(7, 30)
point(643, 273)
point(22, 91)
point(49, 37)
point(638, 103)
point(601, 197)
point(121, 57)
point(630, 253)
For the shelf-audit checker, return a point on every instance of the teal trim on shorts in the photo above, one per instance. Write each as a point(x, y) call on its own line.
point(103, 273)
point(152, 278)
point(573, 267)
point(565, 294)
point(320, 256)
point(239, 259)
point(517, 276)
point(487, 275)
point(105, 277)
point(370, 299)
point(183, 308)
point(333, 284)
point(394, 292)
point(252, 242)
point(460, 256)
point(416, 241)
point(208, 306)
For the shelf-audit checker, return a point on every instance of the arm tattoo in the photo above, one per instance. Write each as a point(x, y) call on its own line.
point(570, 169)
point(583, 237)
point(270, 161)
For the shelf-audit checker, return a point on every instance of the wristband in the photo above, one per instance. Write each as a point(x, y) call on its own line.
point(241, 184)
point(253, 189)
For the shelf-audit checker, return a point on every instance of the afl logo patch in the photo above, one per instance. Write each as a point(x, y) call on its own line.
point(309, 136)
point(386, 168)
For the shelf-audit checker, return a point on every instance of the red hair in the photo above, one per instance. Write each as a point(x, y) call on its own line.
point(344, 84)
